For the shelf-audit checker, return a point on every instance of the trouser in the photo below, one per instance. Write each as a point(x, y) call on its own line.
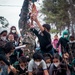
point(50, 52)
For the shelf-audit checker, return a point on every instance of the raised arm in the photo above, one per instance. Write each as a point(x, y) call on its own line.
point(40, 26)
point(34, 18)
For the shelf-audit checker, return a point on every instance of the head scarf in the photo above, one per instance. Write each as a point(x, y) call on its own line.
point(65, 32)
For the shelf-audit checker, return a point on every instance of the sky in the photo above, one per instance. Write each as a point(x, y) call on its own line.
point(11, 13)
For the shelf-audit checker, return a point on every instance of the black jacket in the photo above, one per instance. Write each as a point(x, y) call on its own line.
point(44, 40)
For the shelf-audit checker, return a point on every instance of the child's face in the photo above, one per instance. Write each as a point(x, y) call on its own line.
point(37, 62)
point(4, 34)
point(56, 62)
point(48, 61)
point(72, 39)
point(11, 37)
point(22, 64)
point(56, 37)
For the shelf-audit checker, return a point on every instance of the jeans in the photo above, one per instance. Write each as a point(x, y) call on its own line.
point(50, 52)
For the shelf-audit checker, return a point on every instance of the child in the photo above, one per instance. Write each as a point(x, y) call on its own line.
point(44, 36)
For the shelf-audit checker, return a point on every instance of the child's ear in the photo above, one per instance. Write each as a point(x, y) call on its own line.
point(46, 29)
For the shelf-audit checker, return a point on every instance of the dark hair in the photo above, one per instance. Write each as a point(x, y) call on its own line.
point(47, 56)
point(22, 59)
point(71, 37)
point(28, 58)
point(38, 56)
point(3, 32)
point(47, 26)
point(57, 56)
point(8, 47)
point(13, 27)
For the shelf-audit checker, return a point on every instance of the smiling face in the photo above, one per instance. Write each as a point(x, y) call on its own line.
point(11, 37)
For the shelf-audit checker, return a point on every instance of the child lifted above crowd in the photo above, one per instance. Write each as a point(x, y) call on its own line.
point(43, 35)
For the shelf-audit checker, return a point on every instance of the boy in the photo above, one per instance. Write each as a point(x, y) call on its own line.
point(43, 36)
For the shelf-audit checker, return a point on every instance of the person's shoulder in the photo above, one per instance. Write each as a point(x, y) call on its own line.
point(17, 66)
point(31, 62)
point(52, 66)
point(61, 39)
point(63, 65)
point(42, 60)
point(46, 33)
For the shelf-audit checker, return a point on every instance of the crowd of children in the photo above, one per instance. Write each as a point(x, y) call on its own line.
point(53, 57)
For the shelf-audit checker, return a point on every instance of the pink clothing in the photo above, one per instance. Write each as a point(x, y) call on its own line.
point(54, 43)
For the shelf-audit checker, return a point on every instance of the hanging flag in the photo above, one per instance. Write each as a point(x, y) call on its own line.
point(34, 10)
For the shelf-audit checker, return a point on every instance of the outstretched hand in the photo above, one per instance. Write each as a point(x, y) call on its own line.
point(33, 17)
